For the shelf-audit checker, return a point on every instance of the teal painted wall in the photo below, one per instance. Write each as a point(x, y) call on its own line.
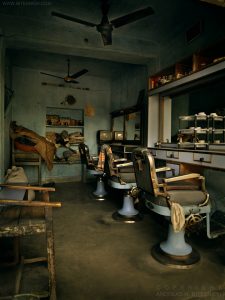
point(32, 98)
point(126, 86)
point(111, 86)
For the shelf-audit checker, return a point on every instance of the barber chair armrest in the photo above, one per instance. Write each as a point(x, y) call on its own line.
point(198, 184)
point(128, 164)
point(120, 160)
point(183, 177)
point(94, 157)
point(165, 169)
point(162, 169)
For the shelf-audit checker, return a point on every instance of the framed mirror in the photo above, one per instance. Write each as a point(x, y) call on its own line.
point(118, 127)
point(133, 126)
point(126, 126)
point(118, 123)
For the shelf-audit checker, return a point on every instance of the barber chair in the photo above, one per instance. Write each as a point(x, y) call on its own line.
point(120, 174)
point(92, 168)
point(182, 204)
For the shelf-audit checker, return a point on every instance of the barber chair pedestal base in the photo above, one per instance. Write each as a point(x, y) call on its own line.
point(127, 214)
point(100, 191)
point(175, 252)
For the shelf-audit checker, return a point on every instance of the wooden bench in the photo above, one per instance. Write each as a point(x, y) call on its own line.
point(20, 217)
point(22, 158)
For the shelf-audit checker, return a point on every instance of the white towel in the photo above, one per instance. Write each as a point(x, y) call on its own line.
point(177, 216)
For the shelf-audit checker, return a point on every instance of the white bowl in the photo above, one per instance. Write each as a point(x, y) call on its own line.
point(213, 115)
point(201, 114)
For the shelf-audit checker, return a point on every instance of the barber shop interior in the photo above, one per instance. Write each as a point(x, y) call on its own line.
point(112, 149)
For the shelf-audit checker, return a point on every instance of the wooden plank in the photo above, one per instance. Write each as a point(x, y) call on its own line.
point(50, 249)
point(27, 187)
point(19, 276)
point(34, 260)
point(14, 231)
point(29, 203)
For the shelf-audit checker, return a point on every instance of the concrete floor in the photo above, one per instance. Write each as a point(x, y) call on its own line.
point(101, 259)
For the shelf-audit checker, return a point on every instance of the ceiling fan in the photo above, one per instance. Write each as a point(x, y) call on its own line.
point(106, 27)
point(69, 78)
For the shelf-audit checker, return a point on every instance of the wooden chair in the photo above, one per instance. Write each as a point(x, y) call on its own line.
point(20, 217)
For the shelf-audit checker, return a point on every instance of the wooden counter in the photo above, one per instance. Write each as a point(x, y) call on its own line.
point(213, 158)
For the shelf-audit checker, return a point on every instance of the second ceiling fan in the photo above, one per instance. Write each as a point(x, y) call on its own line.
point(69, 78)
point(106, 27)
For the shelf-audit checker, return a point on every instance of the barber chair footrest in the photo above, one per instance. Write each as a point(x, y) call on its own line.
point(127, 219)
point(173, 261)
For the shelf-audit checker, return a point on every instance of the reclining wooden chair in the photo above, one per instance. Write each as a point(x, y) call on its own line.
point(20, 217)
point(92, 168)
point(178, 203)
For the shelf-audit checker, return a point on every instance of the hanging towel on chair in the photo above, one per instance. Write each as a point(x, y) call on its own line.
point(101, 157)
point(177, 216)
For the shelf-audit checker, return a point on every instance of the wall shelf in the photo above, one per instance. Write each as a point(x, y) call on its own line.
point(213, 72)
point(196, 69)
point(65, 125)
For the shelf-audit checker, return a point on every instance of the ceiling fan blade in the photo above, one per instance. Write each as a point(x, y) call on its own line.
point(69, 18)
point(52, 75)
point(132, 17)
point(78, 74)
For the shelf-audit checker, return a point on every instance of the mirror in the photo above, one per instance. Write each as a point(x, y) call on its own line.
point(118, 123)
point(118, 128)
point(126, 125)
point(199, 100)
point(132, 126)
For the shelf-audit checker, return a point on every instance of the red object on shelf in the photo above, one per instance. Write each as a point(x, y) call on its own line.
point(24, 147)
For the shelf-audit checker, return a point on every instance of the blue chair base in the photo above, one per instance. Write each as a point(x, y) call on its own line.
point(100, 191)
point(175, 252)
point(127, 213)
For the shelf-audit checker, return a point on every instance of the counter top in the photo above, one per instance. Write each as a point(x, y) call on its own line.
point(210, 158)
point(215, 150)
